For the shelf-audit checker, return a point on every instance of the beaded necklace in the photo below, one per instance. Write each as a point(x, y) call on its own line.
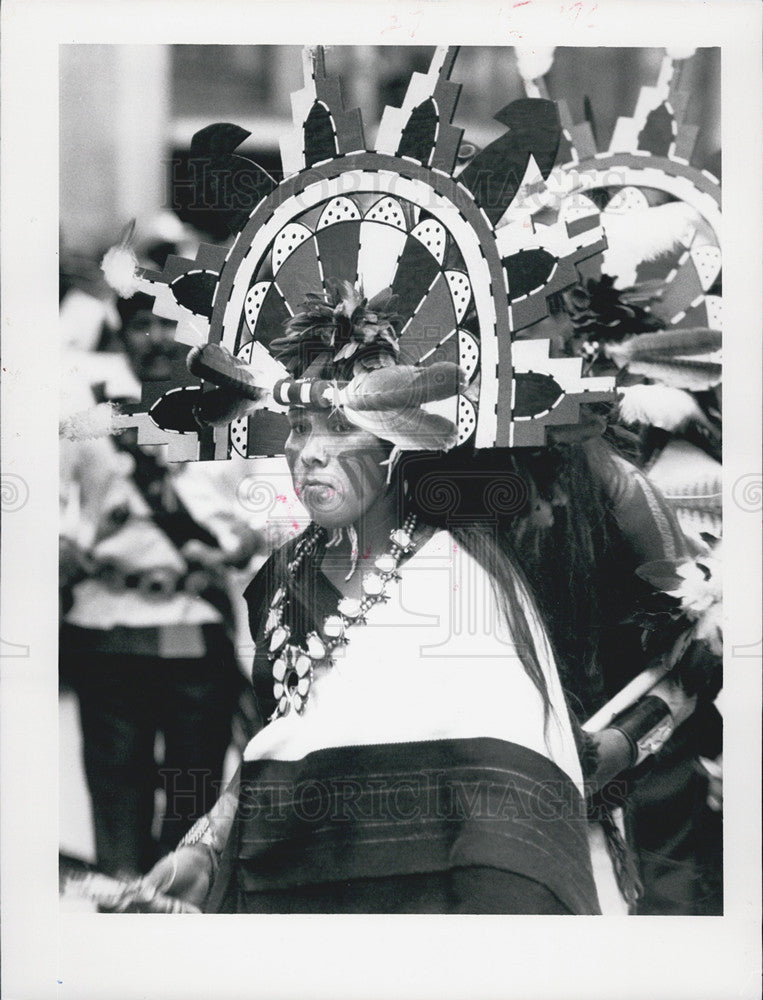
point(293, 665)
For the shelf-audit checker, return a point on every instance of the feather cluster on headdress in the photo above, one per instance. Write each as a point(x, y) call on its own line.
point(696, 586)
point(357, 333)
point(388, 402)
point(600, 312)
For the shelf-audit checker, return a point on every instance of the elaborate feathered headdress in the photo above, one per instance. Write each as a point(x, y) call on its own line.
point(382, 258)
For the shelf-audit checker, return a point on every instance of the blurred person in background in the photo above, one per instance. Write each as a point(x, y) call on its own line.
point(147, 637)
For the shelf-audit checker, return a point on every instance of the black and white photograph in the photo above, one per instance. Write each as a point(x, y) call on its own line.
point(382, 526)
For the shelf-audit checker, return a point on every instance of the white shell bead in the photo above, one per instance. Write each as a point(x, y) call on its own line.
point(333, 627)
point(278, 596)
point(373, 584)
point(303, 665)
point(385, 563)
point(349, 607)
point(401, 538)
point(315, 646)
point(278, 638)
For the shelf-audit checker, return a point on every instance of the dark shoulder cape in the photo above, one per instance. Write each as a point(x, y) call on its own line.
point(442, 826)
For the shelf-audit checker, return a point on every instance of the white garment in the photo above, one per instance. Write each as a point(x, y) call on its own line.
point(434, 662)
point(437, 662)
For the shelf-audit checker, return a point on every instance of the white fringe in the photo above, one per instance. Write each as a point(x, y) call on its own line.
point(337, 534)
point(352, 537)
point(658, 405)
point(391, 462)
point(96, 422)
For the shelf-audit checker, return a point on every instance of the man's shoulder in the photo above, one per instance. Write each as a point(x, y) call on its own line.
point(271, 571)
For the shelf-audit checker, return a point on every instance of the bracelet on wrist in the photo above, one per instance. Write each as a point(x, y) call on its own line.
point(647, 726)
point(202, 834)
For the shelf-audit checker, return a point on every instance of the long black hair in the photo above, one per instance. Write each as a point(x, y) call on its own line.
point(540, 522)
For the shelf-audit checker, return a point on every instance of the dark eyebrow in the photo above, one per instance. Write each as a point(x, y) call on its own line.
point(338, 419)
point(296, 413)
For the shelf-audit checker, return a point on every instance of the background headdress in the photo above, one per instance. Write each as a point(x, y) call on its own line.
point(651, 314)
point(458, 253)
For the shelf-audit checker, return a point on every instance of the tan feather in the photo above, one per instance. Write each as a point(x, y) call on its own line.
point(411, 429)
point(403, 386)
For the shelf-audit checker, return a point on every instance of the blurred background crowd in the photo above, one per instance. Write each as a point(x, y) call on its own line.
point(155, 651)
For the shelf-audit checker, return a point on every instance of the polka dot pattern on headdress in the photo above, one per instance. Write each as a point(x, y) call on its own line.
point(461, 291)
point(387, 210)
point(253, 303)
point(432, 234)
point(468, 353)
point(338, 210)
point(287, 241)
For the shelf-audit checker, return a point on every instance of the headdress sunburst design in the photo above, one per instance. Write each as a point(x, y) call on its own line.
point(650, 151)
point(661, 212)
point(467, 276)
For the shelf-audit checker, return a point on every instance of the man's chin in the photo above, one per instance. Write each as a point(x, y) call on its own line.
point(331, 520)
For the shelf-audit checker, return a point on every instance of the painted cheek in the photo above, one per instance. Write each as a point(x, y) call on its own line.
point(363, 474)
point(372, 472)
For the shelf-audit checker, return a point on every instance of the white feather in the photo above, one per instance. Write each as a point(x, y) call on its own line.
point(533, 63)
point(701, 596)
point(645, 234)
point(96, 422)
point(120, 269)
point(658, 405)
point(680, 51)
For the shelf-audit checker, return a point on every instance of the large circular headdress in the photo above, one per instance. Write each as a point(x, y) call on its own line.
point(466, 263)
point(656, 312)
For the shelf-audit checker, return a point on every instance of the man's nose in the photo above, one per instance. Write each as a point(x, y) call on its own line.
point(158, 333)
point(315, 450)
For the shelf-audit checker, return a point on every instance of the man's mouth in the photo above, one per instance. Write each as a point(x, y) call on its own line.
point(320, 493)
point(324, 483)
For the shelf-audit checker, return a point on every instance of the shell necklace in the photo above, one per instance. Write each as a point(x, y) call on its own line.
point(292, 664)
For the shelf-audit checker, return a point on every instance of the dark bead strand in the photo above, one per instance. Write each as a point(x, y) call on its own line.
point(305, 549)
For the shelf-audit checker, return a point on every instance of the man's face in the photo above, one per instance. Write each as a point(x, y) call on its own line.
point(335, 466)
point(149, 343)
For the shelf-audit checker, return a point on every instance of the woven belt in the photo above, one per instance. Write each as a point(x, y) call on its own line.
point(155, 584)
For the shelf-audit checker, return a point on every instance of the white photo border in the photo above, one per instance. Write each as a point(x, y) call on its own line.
point(47, 954)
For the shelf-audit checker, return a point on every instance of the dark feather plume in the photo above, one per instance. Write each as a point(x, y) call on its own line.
point(353, 332)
